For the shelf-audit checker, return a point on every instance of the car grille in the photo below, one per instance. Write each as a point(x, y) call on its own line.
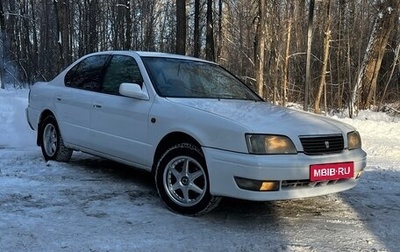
point(320, 145)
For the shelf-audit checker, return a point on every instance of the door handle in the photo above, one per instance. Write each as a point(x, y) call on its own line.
point(58, 98)
point(96, 106)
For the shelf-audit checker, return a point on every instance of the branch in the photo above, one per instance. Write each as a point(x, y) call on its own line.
point(122, 5)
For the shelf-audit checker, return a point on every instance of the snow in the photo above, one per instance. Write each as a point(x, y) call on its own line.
point(91, 204)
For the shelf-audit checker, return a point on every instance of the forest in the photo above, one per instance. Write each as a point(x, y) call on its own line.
point(324, 54)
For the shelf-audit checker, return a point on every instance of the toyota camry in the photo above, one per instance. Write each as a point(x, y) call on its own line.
point(199, 129)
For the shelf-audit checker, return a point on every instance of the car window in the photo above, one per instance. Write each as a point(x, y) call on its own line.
point(195, 79)
point(87, 73)
point(121, 69)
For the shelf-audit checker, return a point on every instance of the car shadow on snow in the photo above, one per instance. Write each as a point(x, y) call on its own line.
point(115, 177)
point(294, 225)
point(216, 230)
point(117, 170)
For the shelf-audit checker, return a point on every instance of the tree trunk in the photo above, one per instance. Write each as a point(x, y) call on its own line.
point(327, 38)
point(210, 49)
point(148, 44)
point(287, 51)
point(35, 42)
point(180, 26)
point(395, 60)
point(62, 10)
point(93, 35)
point(309, 44)
point(340, 59)
point(128, 30)
point(2, 42)
point(365, 86)
point(196, 35)
point(273, 18)
point(260, 48)
point(220, 33)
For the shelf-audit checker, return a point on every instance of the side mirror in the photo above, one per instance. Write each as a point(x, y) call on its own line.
point(133, 90)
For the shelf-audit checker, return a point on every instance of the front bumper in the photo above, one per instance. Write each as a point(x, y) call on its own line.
point(292, 170)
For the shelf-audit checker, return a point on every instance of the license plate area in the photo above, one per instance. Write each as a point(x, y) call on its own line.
point(334, 171)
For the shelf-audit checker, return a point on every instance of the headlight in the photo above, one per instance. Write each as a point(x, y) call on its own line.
point(269, 144)
point(354, 140)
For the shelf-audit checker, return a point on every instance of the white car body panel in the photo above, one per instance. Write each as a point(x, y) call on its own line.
point(129, 130)
point(74, 108)
point(274, 168)
point(119, 127)
point(264, 118)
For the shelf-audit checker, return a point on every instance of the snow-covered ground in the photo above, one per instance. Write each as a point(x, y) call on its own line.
point(92, 204)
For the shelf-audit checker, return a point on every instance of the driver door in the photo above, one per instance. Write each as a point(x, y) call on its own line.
point(120, 124)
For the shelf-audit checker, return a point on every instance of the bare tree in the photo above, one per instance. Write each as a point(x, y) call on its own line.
point(196, 33)
point(2, 39)
point(128, 31)
point(289, 7)
point(63, 31)
point(395, 62)
point(181, 26)
point(92, 41)
point(220, 32)
point(210, 49)
point(264, 42)
point(366, 82)
point(327, 38)
point(309, 44)
point(260, 47)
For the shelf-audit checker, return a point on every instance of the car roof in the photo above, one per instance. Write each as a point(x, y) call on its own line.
point(152, 54)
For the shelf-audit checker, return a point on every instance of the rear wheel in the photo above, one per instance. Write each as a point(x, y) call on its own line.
point(182, 180)
point(52, 143)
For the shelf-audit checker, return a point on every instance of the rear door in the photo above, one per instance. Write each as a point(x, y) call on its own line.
point(75, 102)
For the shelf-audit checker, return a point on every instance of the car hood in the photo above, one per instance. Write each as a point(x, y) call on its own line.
point(263, 117)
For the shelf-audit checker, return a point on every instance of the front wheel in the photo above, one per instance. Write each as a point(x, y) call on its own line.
point(52, 143)
point(182, 180)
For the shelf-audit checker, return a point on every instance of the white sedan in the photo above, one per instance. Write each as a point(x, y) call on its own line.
point(201, 132)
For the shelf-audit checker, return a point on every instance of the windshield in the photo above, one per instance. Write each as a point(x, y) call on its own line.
point(194, 79)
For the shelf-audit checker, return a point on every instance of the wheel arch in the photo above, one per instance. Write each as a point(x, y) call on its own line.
point(168, 141)
point(43, 115)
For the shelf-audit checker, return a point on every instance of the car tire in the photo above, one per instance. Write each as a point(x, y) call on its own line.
point(52, 143)
point(182, 181)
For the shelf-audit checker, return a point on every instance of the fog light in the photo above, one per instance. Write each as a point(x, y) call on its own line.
point(269, 186)
point(257, 185)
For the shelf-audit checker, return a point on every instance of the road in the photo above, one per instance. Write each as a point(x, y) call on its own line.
point(92, 204)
